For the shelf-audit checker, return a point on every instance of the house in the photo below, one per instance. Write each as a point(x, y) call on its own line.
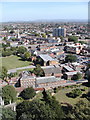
point(48, 60)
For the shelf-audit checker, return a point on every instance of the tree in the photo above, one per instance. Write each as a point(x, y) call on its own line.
point(4, 73)
point(70, 58)
point(12, 75)
point(12, 31)
point(77, 76)
point(21, 50)
point(88, 73)
point(28, 93)
point(8, 114)
point(74, 93)
point(43, 35)
point(34, 110)
point(38, 71)
point(6, 52)
point(27, 55)
point(80, 111)
point(72, 39)
point(61, 37)
point(5, 38)
point(53, 104)
point(9, 94)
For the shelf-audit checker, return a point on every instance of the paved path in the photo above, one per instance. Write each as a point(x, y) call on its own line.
point(21, 68)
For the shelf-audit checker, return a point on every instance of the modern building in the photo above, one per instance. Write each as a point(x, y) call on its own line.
point(57, 32)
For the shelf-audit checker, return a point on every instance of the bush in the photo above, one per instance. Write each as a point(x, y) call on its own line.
point(28, 93)
point(74, 93)
point(73, 39)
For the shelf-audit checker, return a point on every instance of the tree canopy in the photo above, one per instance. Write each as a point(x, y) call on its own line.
point(8, 114)
point(28, 93)
point(77, 76)
point(21, 50)
point(8, 94)
point(40, 110)
point(70, 58)
point(4, 73)
point(27, 55)
point(72, 39)
point(38, 71)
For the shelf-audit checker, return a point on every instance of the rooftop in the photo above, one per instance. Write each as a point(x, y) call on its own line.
point(46, 57)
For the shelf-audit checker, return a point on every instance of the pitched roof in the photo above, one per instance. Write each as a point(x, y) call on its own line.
point(52, 69)
point(46, 57)
point(68, 68)
point(46, 79)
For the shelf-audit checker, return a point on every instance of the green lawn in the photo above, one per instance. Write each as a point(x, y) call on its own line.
point(61, 96)
point(12, 62)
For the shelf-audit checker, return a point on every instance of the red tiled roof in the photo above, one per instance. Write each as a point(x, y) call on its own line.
point(39, 89)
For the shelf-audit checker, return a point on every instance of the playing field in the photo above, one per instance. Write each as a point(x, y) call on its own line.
point(12, 62)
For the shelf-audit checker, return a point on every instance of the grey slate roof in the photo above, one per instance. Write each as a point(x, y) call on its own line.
point(46, 57)
point(46, 79)
point(52, 69)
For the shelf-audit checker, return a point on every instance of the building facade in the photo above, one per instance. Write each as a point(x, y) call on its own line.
point(57, 32)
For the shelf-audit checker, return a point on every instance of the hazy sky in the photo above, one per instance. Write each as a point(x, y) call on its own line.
point(28, 11)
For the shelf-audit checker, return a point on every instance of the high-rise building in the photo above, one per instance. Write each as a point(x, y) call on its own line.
point(57, 32)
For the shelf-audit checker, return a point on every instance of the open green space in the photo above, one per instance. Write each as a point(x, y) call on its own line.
point(12, 62)
point(61, 95)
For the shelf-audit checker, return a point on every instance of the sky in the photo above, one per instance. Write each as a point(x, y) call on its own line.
point(33, 11)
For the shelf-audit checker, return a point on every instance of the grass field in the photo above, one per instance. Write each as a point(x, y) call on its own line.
point(12, 62)
point(61, 96)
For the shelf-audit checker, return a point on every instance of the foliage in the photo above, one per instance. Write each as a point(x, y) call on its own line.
point(70, 58)
point(74, 93)
point(27, 55)
point(8, 114)
point(53, 104)
point(40, 110)
point(38, 71)
point(43, 35)
point(61, 37)
point(12, 31)
point(34, 110)
point(81, 111)
point(3, 73)
point(77, 76)
point(6, 52)
point(28, 93)
point(82, 42)
point(8, 93)
point(11, 75)
point(38, 61)
point(21, 50)
point(72, 39)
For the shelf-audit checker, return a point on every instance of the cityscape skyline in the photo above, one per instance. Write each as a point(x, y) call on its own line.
point(32, 11)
